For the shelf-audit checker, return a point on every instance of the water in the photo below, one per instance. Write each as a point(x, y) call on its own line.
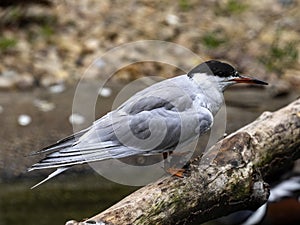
point(68, 197)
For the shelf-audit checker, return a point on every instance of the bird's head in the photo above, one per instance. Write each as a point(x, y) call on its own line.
point(220, 74)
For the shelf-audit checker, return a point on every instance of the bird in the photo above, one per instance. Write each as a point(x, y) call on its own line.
point(155, 120)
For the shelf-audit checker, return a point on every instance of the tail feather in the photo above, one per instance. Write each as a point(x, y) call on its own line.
point(55, 173)
point(77, 149)
point(76, 155)
point(63, 143)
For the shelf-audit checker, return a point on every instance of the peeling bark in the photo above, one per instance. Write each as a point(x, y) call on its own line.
point(227, 178)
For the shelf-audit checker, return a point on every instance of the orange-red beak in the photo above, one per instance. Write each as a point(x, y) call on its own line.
point(248, 80)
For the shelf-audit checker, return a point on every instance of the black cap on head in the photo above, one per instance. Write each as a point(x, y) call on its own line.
point(215, 68)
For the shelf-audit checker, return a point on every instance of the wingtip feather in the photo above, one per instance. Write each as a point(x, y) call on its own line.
point(55, 173)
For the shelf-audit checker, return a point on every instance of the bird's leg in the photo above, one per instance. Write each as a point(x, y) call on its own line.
point(167, 160)
point(171, 168)
point(166, 154)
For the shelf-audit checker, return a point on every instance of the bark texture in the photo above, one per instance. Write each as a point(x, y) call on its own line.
point(228, 177)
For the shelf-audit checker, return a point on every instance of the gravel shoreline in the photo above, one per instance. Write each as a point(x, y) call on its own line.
point(42, 46)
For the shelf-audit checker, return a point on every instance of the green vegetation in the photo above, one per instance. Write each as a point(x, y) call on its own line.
point(280, 57)
point(7, 43)
point(47, 30)
point(46, 24)
point(14, 14)
point(213, 39)
point(230, 7)
point(11, 16)
point(184, 5)
point(234, 6)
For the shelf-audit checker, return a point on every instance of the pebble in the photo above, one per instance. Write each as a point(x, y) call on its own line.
point(8, 79)
point(76, 119)
point(105, 92)
point(48, 81)
point(6, 83)
point(286, 3)
point(57, 88)
point(71, 222)
point(24, 82)
point(91, 45)
point(100, 63)
point(24, 120)
point(10, 74)
point(43, 105)
point(172, 19)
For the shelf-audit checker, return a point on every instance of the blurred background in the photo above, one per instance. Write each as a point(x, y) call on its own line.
point(46, 47)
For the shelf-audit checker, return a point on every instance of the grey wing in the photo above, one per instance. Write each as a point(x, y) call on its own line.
point(160, 129)
point(120, 135)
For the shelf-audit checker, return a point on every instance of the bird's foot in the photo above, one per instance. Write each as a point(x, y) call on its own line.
point(176, 172)
point(179, 172)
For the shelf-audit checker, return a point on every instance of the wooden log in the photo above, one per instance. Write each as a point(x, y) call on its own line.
point(228, 177)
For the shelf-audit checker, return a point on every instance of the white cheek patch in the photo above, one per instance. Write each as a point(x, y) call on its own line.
point(204, 80)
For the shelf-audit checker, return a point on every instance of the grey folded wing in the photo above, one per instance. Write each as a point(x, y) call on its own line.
point(120, 134)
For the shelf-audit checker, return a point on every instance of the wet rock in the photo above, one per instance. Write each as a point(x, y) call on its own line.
point(6, 83)
point(100, 63)
point(48, 81)
point(105, 92)
point(76, 119)
point(24, 120)
point(172, 19)
point(286, 3)
point(70, 45)
point(24, 82)
point(57, 88)
point(8, 79)
point(61, 74)
point(124, 76)
point(43, 105)
point(90, 45)
point(72, 222)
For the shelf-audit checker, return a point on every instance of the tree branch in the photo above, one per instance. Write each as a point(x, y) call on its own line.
point(227, 178)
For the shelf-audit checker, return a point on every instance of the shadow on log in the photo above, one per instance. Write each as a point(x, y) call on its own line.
point(227, 178)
